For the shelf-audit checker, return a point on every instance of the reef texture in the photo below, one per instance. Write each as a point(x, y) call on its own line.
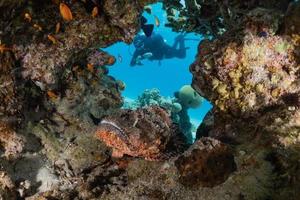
point(10, 141)
point(177, 106)
point(207, 163)
point(214, 18)
point(56, 96)
point(251, 75)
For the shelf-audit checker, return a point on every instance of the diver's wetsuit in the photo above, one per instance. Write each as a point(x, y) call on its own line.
point(156, 45)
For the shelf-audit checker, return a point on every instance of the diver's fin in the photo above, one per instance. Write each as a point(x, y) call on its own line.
point(148, 29)
point(143, 20)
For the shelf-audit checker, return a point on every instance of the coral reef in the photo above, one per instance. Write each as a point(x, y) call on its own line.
point(251, 76)
point(177, 106)
point(56, 95)
point(7, 187)
point(188, 97)
point(10, 97)
point(10, 141)
point(214, 18)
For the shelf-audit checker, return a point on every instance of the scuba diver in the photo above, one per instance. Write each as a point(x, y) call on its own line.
point(155, 48)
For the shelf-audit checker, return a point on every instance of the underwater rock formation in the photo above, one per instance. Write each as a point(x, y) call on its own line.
point(214, 18)
point(207, 163)
point(55, 89)
point(7, 187)
point(10, 141)
point(251, 75)
point(10, 96)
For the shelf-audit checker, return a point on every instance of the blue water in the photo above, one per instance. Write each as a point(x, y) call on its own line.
point(168, 77)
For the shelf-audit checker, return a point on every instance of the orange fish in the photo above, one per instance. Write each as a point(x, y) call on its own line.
point(57, 27)
point(111, 60)
point(65, 12)
point(27, 17)
point(52, 39)
point(95, 12)
point(90, 67)
point(52, 95)
point(4, 48)
point(157, 22)
point(38, 27)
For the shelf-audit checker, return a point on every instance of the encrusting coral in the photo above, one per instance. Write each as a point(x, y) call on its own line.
point(10, 141)
point(55, 92)
point(253, 81)
point(251, 75)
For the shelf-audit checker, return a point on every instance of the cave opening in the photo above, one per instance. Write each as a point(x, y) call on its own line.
point(164, 82)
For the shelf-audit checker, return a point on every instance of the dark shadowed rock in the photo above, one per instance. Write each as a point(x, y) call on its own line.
point(207, 163)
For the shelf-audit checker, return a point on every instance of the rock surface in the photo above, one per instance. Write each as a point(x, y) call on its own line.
point(55, 88)
point(207, 163)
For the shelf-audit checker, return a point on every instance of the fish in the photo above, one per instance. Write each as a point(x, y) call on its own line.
point(28, 17)
point(65, 12)
point(52, 39)
point(147, 28)
point(157, 22)
point(38, 27)
point(90, 67)
point(95, 12)
point(111, 60)
point(57, 27)
point(52, 95)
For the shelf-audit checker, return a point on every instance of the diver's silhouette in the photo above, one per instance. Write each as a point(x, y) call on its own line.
point(155, 48)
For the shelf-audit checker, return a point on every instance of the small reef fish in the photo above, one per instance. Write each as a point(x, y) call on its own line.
point(90, 67)
point(52, 39)
point(111, 60)
point(4, 48)
point(38, 27)
point(157, 22)
point(95, 12)
point(57, 27)
point(28, 17)
point(65, 12)
point(52, 95)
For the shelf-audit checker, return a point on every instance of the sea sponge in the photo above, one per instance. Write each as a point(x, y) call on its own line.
point(189, 98)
